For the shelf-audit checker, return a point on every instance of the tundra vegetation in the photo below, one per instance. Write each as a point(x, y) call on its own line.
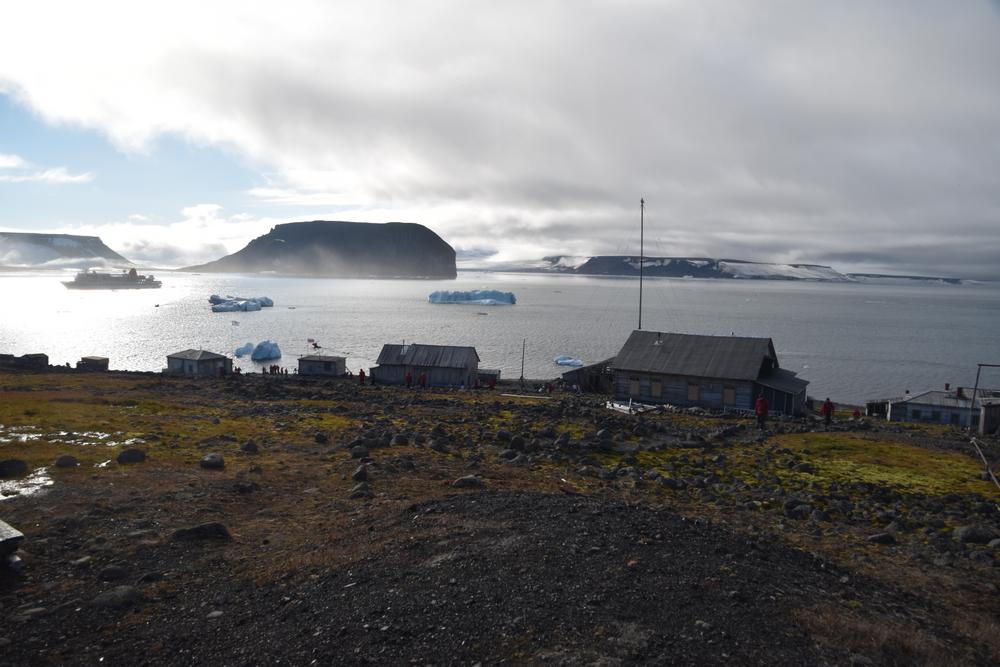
point(305, 519)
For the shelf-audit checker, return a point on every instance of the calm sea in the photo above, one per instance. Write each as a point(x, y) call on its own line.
point(851, 341)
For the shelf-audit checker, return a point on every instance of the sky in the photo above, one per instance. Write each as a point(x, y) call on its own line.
point(863, 135)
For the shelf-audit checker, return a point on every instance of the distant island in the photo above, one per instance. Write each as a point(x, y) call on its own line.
point(705, 267)
point(340, 249)
point(27, 250)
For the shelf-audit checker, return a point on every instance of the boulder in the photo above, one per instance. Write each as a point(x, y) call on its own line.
point(66, 461)
point(213, 461)
point(360, 473)
point(205, 531)
point(975, 534)
point(467, 482)
point(119, 597)
point(13, 468)
point(249, 447)
point(131, 456)
point(359, 452)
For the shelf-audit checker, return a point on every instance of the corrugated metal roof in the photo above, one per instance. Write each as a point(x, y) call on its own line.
point(948, 399)
point(320, 357)
point(195, 355)
point(783, 380)
point(724, 357)
point(438, 356)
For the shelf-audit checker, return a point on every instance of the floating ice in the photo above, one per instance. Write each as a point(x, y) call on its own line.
point(479, 297)
point(266, 351)
point(244, 350)
point(232, 304)
point(564, 360)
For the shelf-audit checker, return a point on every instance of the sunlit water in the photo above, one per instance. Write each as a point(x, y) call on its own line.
point(851, 341)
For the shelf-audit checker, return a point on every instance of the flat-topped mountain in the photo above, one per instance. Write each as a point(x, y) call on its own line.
point(23, 249)
point(693, 267)
point(343, 250)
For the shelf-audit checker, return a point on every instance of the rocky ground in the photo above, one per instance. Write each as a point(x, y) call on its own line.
point(283, 520)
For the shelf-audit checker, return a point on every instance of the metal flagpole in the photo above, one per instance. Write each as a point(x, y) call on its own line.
point(642, 226)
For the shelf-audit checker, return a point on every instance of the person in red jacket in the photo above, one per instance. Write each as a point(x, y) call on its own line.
point(361, 376)
point(409, 379)
point(761, 408)
point(827, 411)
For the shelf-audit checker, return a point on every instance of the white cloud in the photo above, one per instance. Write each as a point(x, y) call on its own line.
point(56, 175)
point(770, 130)
point(9, 161)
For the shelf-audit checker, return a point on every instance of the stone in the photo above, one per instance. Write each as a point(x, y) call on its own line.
point(360, 473)
point(213, 461)
point(249, 447)
point(119, 597)
point(605, 435)
point(206, 531)
point(212, 615)
point(359, 452)
point(13, 468)
point(508, 454)
point(66, 461)
point(502, 435)
point(399, 440)
point(974, 534)
point(799, 512)
point(882, 538)
point(468, 482)
point(804, 467)
point(131, 456)
point(245, 487)
point(994, 544)
point(517, 442)
point(112, 573)
point(362, 490)
point(438, 446)
point(321, 438)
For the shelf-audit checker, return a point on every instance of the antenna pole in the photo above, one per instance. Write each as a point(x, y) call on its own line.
point(642, 228)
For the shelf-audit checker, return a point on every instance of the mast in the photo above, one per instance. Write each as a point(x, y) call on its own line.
point(642, 226)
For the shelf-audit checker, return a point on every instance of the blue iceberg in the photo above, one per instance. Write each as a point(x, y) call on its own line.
point(564, 360)
point(265, 351)
point(478, 297)
point(244, 350)
point(232, 304)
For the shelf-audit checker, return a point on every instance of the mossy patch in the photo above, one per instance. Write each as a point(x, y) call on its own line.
point(908, 468)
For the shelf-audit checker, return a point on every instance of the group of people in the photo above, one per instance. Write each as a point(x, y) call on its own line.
point(762, 408)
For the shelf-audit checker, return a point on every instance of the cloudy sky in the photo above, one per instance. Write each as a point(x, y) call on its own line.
point(856, 133)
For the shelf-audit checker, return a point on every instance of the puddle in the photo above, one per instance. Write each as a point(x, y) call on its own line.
point(78, 438)
point(33, 484)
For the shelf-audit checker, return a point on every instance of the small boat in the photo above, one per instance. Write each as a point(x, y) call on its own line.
point(125, 280)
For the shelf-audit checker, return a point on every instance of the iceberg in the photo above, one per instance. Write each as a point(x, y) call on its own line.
point(244, 350)
point(232, 304)
point(265, 351)
point(478, 297)
point(564, 360)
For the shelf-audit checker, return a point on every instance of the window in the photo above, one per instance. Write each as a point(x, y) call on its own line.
point(729, 395)
point(916, 414)
point(656, 388)
point(633, 386)
point(692, 391)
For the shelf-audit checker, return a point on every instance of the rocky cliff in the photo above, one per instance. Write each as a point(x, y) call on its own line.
point(343, 250)
point(22, 249)
point(693, 267)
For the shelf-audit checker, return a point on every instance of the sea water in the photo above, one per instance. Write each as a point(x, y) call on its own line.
point(850, 341)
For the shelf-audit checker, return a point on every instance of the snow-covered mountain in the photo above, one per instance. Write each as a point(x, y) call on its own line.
point(22, 249)
point(681, 267)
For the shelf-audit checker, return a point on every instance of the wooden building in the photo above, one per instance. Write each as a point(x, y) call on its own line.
point(199, 363)
point(444, 365)
point(28, 362)
point(92, 364)
point(949, 406)
point(598, 378)
point(321, 364)
point(713, 372)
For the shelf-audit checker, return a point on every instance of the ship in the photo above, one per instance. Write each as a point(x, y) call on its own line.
point(125, 280)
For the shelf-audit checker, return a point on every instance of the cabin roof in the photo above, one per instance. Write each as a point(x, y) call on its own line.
point(783, 380)
point(724, 357)
point(320, 357)
point(439, 356)
point(950, 399)
point(196, 355)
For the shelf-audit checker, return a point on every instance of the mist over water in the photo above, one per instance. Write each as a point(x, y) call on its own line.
point(851, 341)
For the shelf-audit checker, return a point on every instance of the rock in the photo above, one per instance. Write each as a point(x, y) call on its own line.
point(546, 432)
point(994, 544)
point(205, 531)
point(321, 438)
point(245, 487)
point(131, 456)
point(399, 440)
point(819, 516)
point(799, 512)
point(882, 538)
point(212, 615)
point(359, 452)
point(13, 468)
point(975, 534)
point(502, 435)
point(517, 442)
point(119, 597)
point(804, 467)
point(249, 447)
point(112, 573)
point(66, 461)
point(438, 446)
point(508, 454)
point(605, 435)
point(468, 482)
point(360, 473)
point(213, 461)
point(361, 490)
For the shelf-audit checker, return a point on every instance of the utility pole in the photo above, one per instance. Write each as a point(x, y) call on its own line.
point(975, 390)
point(523, 344)
point(642, 227)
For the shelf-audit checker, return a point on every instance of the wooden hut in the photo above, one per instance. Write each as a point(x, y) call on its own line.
point(598, 378)
point(714, 372)
point(444, 365)
point(92, 364)
point(321, 364)
point(199, 363)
